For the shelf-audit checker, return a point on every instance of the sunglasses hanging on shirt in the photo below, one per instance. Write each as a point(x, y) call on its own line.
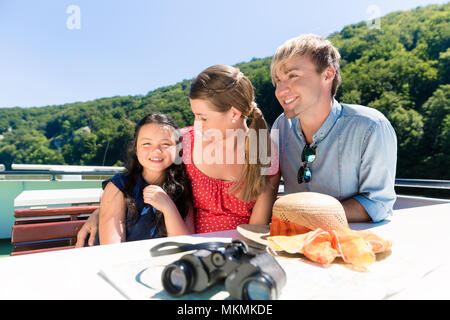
point(308, 156)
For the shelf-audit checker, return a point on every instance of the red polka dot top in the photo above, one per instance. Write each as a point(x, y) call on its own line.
point(215, 209)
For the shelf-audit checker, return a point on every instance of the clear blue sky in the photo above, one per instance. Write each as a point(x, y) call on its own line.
point(131, 47)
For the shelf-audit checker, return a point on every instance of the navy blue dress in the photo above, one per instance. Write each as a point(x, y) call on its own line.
point(145, 225)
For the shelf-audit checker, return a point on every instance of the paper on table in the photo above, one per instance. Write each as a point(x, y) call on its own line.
point(141, 280)
point(138, 280)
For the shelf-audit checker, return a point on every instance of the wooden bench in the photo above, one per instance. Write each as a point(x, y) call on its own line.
point(39, 228)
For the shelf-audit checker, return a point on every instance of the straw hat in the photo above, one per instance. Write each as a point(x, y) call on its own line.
point(311, 210)
point(307, 210)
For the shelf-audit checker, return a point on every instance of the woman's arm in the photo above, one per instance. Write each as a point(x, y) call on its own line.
point(262, 211)
point(89, 229)
point(112, 216)
point(190, 220)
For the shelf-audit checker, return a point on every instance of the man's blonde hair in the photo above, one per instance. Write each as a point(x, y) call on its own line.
point(321, 51)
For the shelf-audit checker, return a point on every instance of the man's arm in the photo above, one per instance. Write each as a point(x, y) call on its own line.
point(376, 192)
point(354, 211)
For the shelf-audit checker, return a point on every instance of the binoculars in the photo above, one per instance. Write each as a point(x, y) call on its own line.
point(247, 276)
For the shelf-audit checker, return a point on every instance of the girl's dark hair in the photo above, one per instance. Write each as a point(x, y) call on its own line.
point(176, 184)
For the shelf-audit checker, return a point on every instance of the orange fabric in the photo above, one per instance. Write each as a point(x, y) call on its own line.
point(318, 248)
point(286, 228)
point(377, 243)
point(352, 247)
point(355, 247)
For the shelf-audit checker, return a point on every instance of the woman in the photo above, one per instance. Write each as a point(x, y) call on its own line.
point(231, 192)
point(227, 192)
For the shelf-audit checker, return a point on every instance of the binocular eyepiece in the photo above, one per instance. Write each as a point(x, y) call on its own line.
point(247, 276)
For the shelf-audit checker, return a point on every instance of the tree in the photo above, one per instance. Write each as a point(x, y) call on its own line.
point(436, 109)
point(408, 125)
point(402, 69)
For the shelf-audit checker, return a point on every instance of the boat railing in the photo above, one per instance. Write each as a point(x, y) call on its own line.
point(415, 183)
point(61, 172)
point(422, 183)
point(64, 175)
point(58, 172)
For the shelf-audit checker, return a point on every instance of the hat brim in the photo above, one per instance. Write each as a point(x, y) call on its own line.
point(254, 232)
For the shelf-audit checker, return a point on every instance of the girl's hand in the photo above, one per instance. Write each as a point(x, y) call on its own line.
point(158, 198)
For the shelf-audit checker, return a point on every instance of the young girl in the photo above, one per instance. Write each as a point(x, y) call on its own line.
point(153, 197)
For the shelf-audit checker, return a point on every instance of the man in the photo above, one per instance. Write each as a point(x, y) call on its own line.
point(346, 151)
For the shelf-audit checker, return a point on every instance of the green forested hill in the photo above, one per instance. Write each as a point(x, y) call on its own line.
point(401, 69)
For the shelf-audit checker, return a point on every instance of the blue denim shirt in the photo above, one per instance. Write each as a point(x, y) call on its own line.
point(356, 156)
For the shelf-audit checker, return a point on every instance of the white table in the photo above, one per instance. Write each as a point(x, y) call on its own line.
point(417, 268)
point(30, 198)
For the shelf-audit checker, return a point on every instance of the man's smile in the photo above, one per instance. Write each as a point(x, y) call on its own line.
point(290, 100)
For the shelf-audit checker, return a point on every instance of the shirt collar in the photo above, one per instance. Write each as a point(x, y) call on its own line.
point(323, 131)
point(329, 123)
